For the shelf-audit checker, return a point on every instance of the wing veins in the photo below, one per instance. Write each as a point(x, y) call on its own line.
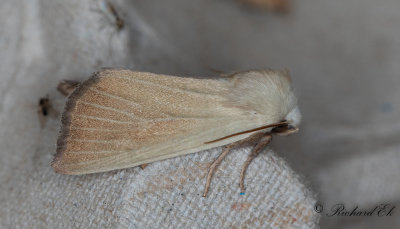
point(111, 109)
point(123, 99)
point(169, 88)
point(105, 119)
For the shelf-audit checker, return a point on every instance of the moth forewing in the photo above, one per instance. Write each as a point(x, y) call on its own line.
point(119, 118)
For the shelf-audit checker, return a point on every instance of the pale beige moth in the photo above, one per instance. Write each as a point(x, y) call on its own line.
point(120, 118)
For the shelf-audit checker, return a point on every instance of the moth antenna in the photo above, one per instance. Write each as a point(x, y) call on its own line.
point(249, 131)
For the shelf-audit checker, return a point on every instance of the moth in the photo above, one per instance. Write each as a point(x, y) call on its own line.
point(120, 118)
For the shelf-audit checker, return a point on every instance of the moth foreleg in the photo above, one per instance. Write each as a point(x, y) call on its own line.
point(254, 138)
point(260, 145)
point(213, 167)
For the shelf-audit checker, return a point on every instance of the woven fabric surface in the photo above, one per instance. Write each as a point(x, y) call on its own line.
point(166, 194)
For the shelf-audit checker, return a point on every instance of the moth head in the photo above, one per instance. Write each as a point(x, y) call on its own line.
point(293, 119)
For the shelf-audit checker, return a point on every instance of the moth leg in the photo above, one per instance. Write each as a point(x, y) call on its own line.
point(260, 145)
point(66, 87)
point(214, 166)
point(251, 139)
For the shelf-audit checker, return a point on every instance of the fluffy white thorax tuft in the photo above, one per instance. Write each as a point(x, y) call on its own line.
point(294, 117)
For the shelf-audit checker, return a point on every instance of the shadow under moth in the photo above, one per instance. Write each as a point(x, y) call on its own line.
point(119, 119)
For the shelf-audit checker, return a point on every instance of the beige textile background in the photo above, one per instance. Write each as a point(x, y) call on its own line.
point(343, 56)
